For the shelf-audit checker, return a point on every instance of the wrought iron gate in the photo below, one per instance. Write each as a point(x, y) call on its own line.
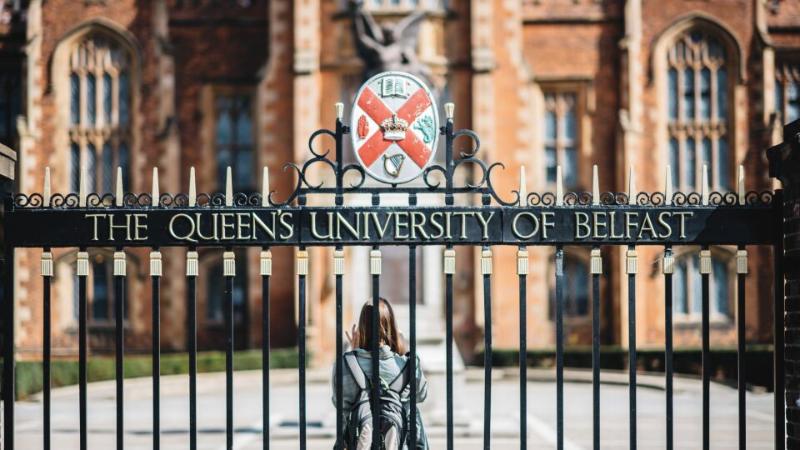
point(232, 220)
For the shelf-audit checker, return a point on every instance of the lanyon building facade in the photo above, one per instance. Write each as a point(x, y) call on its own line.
point(90, 85)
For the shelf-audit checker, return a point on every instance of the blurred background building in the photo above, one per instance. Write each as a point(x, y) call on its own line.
point(88, 85)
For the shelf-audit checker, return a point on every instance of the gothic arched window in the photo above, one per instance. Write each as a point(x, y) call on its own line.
point(687, 284)
point(99, 111)
point(787, 92)
point(699, 86)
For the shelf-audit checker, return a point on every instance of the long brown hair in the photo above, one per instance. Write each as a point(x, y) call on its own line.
point(387, 327)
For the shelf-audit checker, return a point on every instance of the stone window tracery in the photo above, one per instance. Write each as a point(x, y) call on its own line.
point(561, 138)
point(99, 112)
point(698, 111)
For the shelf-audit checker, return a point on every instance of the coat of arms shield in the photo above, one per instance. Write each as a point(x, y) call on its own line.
point(394, 127)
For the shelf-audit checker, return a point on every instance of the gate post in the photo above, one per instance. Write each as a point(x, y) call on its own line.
point(784, 164)
point(8, 163)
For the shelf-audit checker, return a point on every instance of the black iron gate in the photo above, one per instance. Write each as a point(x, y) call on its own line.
point(232, 220)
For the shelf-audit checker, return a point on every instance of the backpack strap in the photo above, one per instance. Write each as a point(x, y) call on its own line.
point(355, 370)
point(401, 380)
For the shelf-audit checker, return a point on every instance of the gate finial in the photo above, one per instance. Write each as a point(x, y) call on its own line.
point(339, 110)
point(668, 186)
point(740, 183)
point(265, 184)
point(523, 187)
point(228, 187)
point(631, 186)
point(559, 187)
point(449, 109)
point(595, 186)
point(704, 185)
point(192, 189)
point(82, 188)
point(155, 194)
point(46, 188)
point(118, 194)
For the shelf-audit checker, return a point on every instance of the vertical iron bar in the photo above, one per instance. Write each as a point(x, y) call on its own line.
point(191, 278)
point(448, 315)
point(266, 273)
point(47, 276)
point(301, 343)
point(668, 270)
point(559, 347)
point(778, 326)
point(9, 362)
point(631, 266)
point(375, 348)
point(339, 350)
point(155, 281)
point(741, 350)
point(596, 354)
point(228, 358)
point(706, 354)
point(412, 319)
point(523, 353)
point(487, 350)
point(82, 348)
point(119, 308)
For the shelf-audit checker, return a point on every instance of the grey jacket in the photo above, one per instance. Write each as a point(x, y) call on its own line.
point(389, 369)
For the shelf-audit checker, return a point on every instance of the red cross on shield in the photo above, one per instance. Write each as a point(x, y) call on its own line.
point(394, 127)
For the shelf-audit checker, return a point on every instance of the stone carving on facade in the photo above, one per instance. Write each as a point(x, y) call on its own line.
point(389, 46)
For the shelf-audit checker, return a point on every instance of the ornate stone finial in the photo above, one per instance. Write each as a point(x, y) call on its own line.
point(228, 187)
point(595, 186)
point(559, 187)
point(192, 188)
point(118, 191)
point(265, 186)
point(46, 192)
point(668, 191)
point(155, 194)
point(704, 185)
point(523, 187)
point(339, 110)
point(449, 110)
point(631, 186)
point(740, 184)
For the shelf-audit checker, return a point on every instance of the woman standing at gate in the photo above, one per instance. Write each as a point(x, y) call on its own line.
point(395, 376)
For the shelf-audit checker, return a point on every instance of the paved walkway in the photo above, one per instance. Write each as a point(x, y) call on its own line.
point(469, 396)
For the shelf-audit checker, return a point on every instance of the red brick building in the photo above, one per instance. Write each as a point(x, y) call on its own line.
point(94, 84)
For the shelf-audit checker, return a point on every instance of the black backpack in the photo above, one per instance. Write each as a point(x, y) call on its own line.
point(394, 413)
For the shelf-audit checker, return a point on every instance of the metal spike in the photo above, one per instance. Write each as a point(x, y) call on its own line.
point(192, 188)
point(740, 184)
point(523, 187)
point(228, 187)
point(559, 187)
point(631, 186)
point(265, 185)
point(46, 189)
point(595, 186)
point(668, 186)
point(449, 109)
point(118, 193)
point(339, 110)
point(82, 188)
point(155, 194)
point(704, 185)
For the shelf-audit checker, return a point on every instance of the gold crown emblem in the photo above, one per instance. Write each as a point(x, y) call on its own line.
point(394, 128)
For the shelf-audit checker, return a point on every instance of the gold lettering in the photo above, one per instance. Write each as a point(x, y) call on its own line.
point(662, 220)
point(316, 233)
point(485, 223)
point(257, 221)
point(241, 226)
point(418, 226)
point(199, 225)
point(354, 231)
point(448, 216)
point(188, 235)
point(683, 215)
point(647, 225)
point(613, 221)
point(437, 224)
point(139, 226)
point(630, 223)
point(598, 224)
point(534, 221)
point(463, 215)
point(127, 227)
point(582, 222)
point(381, 228)
point(398, 224)
point(94, 217)
point(547, 222)
point(286, 226)
point(226, 225)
